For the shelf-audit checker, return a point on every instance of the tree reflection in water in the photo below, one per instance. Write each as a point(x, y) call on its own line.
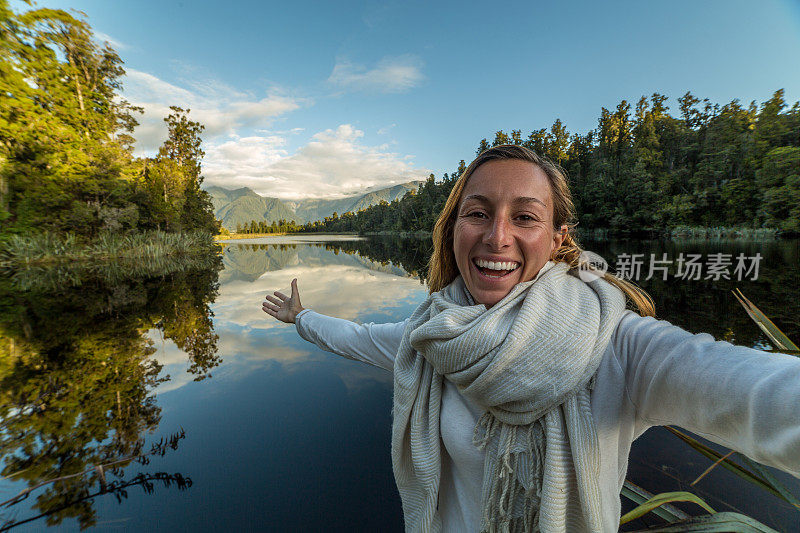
point(698, 306)
point(76, 376)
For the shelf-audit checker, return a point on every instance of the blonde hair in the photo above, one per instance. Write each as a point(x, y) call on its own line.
point(442, 268)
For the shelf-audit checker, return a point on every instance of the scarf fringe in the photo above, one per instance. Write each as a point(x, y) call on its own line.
point(515, 476)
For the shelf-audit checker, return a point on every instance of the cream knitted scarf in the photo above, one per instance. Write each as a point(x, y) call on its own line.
point(528, 361)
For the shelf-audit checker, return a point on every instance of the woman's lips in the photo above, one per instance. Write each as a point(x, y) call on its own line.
point(494, 270)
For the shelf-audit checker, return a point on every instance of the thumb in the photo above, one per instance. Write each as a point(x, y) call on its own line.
point(295, 293)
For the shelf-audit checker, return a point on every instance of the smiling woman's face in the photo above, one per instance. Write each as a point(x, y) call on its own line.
point(503, 234)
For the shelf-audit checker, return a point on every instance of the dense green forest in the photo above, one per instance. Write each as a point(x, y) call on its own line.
point(66, 163)
point(643, 170)
point(262, 226)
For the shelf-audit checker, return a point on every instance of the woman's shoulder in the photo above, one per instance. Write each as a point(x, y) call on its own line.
point(636, 334)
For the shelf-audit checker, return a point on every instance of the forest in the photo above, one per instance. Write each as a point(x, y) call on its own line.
point(66, 144)
point(644, 171)
point(262, 226)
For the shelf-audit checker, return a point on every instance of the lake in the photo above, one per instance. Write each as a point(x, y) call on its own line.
point(210, 415)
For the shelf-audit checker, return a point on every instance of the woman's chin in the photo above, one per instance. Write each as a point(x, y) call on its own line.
point(489, 290)
point(489, 296)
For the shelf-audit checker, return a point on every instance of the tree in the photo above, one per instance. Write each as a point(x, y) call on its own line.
point(559, 142)
point(779, 178)
point(64, 143)
point(172, 179)
point(501, 137)
point(65, 139)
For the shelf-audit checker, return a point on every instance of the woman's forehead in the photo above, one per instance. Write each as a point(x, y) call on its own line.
point(513, 181)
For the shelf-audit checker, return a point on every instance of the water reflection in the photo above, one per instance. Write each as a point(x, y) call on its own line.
point(76, 378)
point(285, 436)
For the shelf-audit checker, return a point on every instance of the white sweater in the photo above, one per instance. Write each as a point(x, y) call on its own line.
point(652, 373)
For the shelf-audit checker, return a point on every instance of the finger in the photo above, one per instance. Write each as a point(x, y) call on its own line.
point(270, 311)
point(274, 300)
point(281, 295)
point(295, 293)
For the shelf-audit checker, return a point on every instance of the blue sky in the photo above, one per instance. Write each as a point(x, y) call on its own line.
point(305, 99)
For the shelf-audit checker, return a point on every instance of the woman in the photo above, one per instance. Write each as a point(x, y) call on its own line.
point(519, 387)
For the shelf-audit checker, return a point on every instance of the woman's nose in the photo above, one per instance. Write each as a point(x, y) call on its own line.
point(498, 234)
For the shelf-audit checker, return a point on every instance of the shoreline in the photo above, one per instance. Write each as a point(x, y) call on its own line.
point(678, 234)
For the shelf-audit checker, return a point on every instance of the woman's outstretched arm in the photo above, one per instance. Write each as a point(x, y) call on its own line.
point(739, 397)
point(371, 343)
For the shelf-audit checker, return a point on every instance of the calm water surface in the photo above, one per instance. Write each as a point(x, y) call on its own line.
point(236, 423)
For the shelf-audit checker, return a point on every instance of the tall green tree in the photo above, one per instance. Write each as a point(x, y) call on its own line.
point(64, 131)
point(172, 179)
point(66, 161)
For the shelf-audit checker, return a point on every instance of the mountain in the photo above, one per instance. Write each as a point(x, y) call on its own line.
point(240, 206)
point(319, 208)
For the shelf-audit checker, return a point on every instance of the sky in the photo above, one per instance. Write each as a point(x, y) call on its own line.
point(322, 99)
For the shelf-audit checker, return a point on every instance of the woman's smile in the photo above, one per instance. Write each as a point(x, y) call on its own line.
point(495, 269)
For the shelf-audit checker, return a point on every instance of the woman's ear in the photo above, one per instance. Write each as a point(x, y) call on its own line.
point(559, 236)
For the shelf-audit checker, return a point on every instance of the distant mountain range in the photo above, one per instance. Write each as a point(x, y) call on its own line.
point(240, 206)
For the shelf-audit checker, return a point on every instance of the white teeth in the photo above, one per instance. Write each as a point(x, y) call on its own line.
point(493, 265)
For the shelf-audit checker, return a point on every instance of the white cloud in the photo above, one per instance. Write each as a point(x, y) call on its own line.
point(219, 107)
point(386, 129)
point(390, 75)
point(106, 38)
point(242, 162)
point(334, 163)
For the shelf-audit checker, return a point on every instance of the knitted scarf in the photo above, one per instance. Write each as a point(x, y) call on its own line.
point(529, 361)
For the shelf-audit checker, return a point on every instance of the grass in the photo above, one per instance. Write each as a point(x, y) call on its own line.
point(46, 249)
point(723, 232)
point(234, 236)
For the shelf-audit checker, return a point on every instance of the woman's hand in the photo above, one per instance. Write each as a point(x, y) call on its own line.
point(284, 308)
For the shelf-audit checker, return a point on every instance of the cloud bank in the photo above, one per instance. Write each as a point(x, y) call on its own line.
point(333, 164)
point(243, 151)
point(220, 108)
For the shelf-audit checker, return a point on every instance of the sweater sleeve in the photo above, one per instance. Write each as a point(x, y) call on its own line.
point(741, 398)
point(371, 343)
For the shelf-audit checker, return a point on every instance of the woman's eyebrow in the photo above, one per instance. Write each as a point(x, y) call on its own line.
point(528, 200)
point(478, 197)
point(515, 201)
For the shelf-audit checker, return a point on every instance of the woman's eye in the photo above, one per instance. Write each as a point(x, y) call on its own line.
point(476, 214)
point(526, 218)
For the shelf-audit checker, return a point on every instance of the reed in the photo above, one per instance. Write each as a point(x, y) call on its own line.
point(23, 251)
point(723, 233)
